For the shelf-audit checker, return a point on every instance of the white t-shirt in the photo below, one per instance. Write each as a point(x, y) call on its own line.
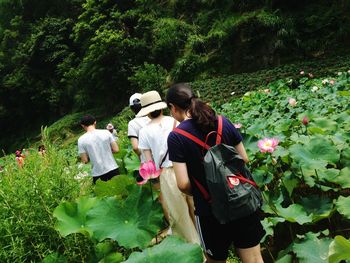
point(135, 126)
point(97, 145)
point(154, 137)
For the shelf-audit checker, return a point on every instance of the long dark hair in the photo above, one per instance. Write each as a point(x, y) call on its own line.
point(182, 96)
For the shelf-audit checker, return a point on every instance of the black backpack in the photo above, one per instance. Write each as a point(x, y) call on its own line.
point(233, 194)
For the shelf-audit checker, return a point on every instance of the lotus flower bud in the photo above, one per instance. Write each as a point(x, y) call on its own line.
point(305, 121)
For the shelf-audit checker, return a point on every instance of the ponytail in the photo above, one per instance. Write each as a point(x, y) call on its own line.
point(183, 97)
point(202, 114)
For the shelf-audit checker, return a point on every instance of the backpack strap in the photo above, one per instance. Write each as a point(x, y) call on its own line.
point(219, 132)
point(206, 146)
point(192, 137)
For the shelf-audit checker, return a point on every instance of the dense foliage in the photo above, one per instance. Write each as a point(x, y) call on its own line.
point(61, 56)
point(50, 213)
point(305, 177)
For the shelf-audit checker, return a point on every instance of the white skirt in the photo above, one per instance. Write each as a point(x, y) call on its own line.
point(178, 209)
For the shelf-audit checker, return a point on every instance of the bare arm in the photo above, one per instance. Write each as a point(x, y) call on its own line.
point(135, 145)
point(147, 154)
point(183, 181)
point(84, 157)
point(241, 151)
point(115, 147)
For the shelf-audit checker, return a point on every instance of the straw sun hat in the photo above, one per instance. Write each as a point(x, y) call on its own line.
point(150, 101)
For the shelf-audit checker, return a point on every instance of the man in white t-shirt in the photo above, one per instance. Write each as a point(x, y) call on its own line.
point(98, 147)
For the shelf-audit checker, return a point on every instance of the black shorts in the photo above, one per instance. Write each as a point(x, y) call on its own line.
point(216, 238)
point(106, 176)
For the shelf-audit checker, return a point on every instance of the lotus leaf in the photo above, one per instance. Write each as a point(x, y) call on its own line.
point(345, 157)
point(294, 213)
point(318, 153)
point(256, 128)
point(328, 175)
point(312, 249)
point(270, 201)
point(72, 216)
point(290, 182)
point(170, 250)
point(318, 207)
point(283, 125)
point(132, 222)
point(325, 124)
point(262, 176)
point(268, 224)
point(285, 259)
point(106, 252)
point(339, 250)
point(335, 176)
point(250, 143)
point(117, 186)
point(343, 206)
point(132, 163)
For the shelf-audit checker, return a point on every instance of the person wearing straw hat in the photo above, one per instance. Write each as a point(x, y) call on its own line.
point(153, 144)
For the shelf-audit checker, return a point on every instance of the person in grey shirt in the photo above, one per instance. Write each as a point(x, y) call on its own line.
point(98, 146)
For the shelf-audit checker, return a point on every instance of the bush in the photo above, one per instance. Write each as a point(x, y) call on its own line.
point(28, 197)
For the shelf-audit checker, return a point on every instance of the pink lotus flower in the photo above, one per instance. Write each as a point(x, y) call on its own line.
point(305, 121)
point(267, 145)
point(302, 72)
point(237, 125)
point(292, 102)
point(332, 82)
point(148, 170)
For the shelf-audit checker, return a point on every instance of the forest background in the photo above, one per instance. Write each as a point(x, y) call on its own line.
point(61, 57)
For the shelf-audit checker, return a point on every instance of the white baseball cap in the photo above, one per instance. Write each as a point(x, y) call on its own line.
point(136, 96)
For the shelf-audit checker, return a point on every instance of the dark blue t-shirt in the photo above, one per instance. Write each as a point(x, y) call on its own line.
point(184, 150)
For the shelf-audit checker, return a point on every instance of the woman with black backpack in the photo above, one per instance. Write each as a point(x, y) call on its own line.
point(198, 120)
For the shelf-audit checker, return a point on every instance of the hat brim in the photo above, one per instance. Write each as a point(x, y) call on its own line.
point(146, 110)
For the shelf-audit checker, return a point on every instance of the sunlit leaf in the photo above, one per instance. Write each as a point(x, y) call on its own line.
point(343, 206)
point(117, 186)
point(285, 259)
point(132, 222)
point(294, 213)
point(312, 249)
point(318, 153)
point(339, 250)
point(132, 163)
point(170, 250)
point(325, 124)
point(72, 216)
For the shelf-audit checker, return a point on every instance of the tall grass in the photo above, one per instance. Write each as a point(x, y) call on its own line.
point(28, 197)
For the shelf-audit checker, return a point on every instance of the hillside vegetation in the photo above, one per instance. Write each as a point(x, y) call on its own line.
point(59, 57)
point(50, 213)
